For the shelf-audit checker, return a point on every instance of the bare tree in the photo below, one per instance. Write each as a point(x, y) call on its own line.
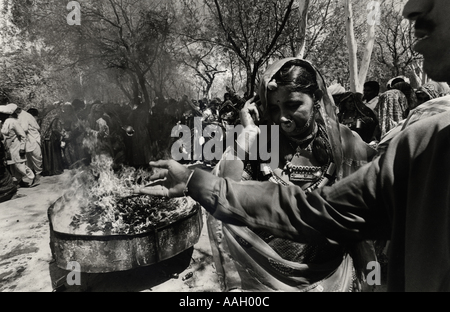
point(395, 42)
point(252, 30)
point(205, 70)
point(126, 37)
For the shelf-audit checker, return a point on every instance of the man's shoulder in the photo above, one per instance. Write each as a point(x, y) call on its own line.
point(26, 114)
point(432, 124)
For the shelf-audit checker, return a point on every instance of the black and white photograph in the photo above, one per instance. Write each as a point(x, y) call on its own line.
point(224, 150)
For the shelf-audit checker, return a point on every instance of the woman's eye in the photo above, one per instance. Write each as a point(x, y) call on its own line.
point(294, 104)
point(274, 109)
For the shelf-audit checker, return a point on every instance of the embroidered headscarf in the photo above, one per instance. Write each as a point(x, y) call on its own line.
point(434, 89)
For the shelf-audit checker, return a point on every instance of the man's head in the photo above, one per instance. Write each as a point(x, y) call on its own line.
point(433, 33)
point(371, 90)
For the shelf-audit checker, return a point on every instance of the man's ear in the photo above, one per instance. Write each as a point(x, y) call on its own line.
point(318, 95)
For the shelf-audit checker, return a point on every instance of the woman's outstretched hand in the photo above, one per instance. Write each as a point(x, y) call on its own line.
point(249, 117)
point(249, 114)
point(171, 181)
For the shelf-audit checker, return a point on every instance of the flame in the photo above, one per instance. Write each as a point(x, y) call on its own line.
point(90, 205)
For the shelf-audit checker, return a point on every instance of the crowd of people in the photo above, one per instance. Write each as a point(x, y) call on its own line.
point(66, 135)
point(387, 109)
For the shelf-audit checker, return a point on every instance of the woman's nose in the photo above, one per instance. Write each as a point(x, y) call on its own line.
point(285, 119)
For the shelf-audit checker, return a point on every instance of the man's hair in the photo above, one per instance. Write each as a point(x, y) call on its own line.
point(34, 112)
point(78, 104)
point(373, 85)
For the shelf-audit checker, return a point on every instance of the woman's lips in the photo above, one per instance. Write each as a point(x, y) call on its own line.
point(288, 127)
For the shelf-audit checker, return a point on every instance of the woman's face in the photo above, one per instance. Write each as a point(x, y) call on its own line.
point(292, 111)
point(348, 105)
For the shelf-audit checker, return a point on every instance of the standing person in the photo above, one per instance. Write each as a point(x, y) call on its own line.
point(358, 117)
point(410, 94)
point(33, 142)
point(371, 95)
point(78, 107)
point(53, 163)
point(73, 134)
point(391, 110)
point(15, 138)
point(138, 153)
point(7, 187)
point(313, 151)
point(388, 199)
point(35, 113)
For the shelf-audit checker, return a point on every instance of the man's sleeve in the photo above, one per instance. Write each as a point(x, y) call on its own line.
point(20, 134)
point(346, 212)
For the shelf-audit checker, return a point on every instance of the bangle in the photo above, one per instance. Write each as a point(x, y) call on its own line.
point(186, 190)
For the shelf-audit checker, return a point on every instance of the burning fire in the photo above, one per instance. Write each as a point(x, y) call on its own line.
point(99, 202)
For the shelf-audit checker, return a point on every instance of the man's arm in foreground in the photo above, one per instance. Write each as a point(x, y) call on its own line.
point(346, 212)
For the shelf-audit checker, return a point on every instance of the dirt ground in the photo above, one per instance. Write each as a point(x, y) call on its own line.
point(26, 263)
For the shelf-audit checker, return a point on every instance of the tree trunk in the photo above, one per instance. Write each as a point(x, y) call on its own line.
point(143, 85)
point(134, 86)
point(352, 47)
point(303, 15)
point(364, 68)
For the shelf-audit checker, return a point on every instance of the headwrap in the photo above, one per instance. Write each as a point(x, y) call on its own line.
point(356, 99)
point(336, 89)
point(326, 105)
point(430, 90)
point(391, 109)
point(405, 79)
point(434, 89)
point(8, 109)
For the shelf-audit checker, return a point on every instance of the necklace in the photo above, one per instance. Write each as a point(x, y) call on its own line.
point(297, 171)
point(300, 142)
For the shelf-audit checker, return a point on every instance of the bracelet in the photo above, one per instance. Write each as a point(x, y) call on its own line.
point(186, 190)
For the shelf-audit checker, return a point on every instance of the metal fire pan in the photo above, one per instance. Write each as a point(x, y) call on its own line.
point(112, 253)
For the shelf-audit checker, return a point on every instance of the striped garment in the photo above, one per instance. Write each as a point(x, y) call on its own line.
point(428, 109)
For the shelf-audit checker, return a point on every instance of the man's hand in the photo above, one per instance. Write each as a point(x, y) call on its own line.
point(171, 180)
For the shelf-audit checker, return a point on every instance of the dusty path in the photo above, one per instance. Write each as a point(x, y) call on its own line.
point(26, 262)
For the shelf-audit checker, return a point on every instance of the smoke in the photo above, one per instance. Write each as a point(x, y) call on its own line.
point(99, 201)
